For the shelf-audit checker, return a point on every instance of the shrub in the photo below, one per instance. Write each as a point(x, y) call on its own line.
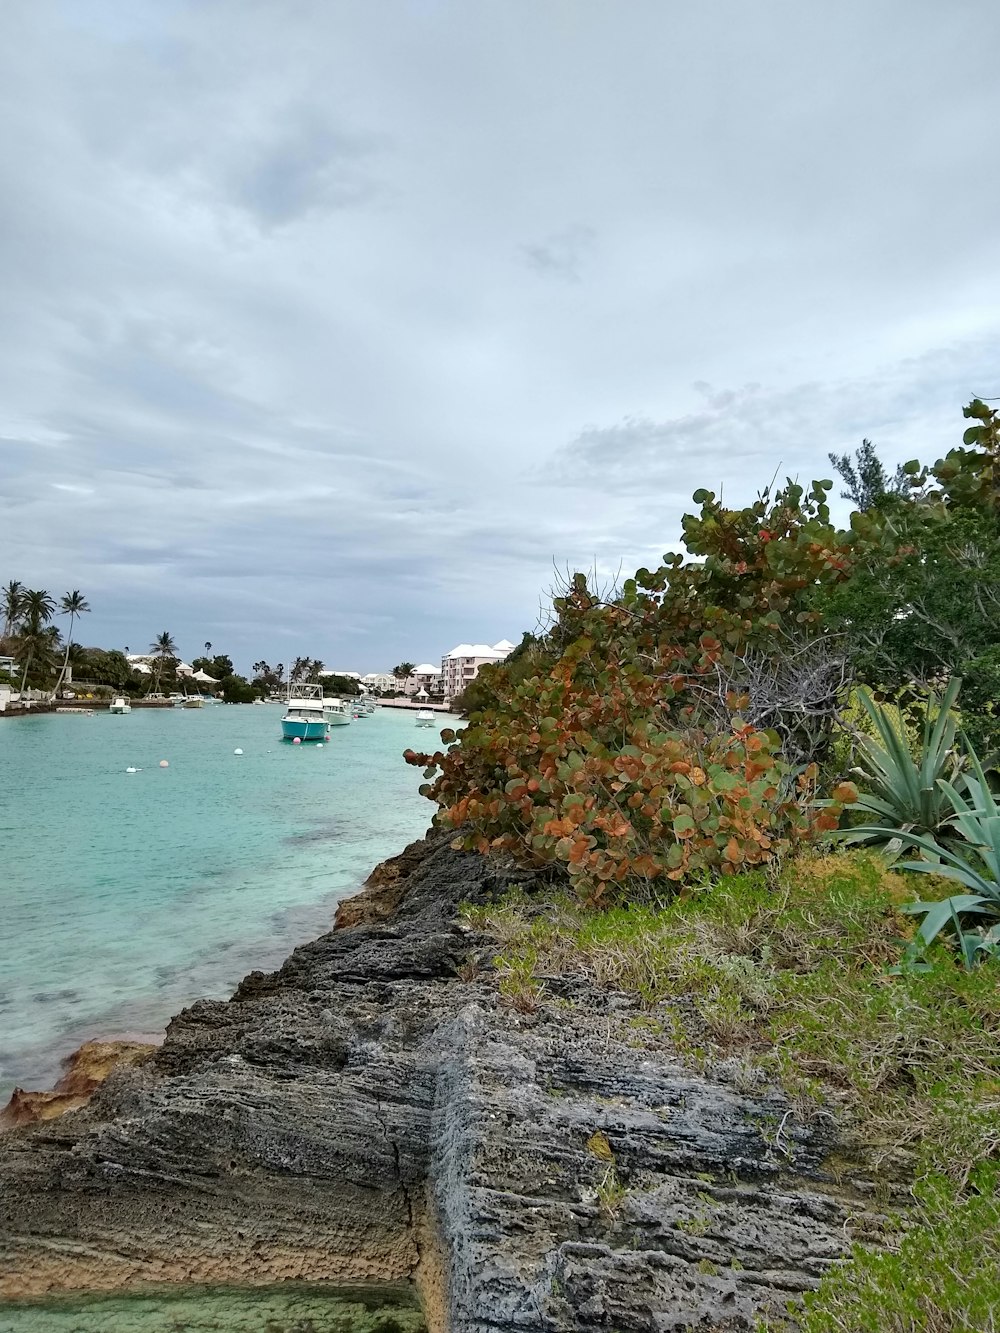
point(654, 806)
point(618, 748)
point(962, 844)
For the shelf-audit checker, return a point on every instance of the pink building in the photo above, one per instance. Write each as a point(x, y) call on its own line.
point(462, 664)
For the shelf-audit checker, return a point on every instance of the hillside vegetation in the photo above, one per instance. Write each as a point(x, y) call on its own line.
point(688, 754)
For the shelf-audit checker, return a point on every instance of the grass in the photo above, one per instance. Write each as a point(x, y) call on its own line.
point(790, 979)
point(942, 1276)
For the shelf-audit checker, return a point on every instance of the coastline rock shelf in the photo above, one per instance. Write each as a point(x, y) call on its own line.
point(371, 1113)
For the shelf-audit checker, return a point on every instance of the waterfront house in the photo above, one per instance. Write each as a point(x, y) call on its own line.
point(379, 681)
point(145, 664)
point(462, 664)
point(426, 677)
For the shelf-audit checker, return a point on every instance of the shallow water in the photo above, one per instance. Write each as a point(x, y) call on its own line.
point(286, 1309)
point(125, 896)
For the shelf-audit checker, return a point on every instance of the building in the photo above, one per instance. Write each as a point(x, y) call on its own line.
point(462, 664)
point(380, 681)
point(146, 664)
point(424, 677)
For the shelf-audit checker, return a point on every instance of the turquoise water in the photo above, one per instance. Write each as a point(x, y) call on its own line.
point(125, 896)
point(292, 1308)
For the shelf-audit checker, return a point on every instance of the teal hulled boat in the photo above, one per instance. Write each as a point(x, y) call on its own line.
point(305, 717)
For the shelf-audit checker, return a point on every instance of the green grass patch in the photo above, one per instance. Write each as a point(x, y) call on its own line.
point(942, 1275)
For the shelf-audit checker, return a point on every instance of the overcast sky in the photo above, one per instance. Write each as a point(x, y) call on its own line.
point(328, 326)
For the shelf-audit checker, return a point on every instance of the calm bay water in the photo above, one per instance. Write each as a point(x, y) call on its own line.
point(124, 897)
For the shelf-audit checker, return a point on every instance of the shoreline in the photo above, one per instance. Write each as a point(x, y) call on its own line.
point(132, 1022)
point(370, 1110)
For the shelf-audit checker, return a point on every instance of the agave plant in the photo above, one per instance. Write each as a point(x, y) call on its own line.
point(904, 794)
point(972, 918)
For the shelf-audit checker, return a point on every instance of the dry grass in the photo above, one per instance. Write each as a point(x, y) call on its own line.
point(793, 977)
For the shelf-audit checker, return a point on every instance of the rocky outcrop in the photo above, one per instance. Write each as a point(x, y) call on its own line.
point(85, 1071)
point(371, 1112)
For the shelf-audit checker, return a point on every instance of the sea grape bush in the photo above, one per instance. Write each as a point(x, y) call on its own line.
point(606, 761)
point(660, 806)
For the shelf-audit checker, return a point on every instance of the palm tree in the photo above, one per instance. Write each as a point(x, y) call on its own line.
point(37, 604)
point(163, 648)
point(13, 605)
point(36, 642)
point(73, 604)
point(403, 672)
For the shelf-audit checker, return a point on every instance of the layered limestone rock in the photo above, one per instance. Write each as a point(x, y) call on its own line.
point(365, 1113)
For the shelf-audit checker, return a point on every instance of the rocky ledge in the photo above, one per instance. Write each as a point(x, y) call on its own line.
point(371, 1112)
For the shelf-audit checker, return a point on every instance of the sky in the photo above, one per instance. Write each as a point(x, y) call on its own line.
point(338, 327)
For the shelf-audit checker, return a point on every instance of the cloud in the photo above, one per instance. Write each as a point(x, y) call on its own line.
point(562, 254)
point(736, 438)
point(328, 334)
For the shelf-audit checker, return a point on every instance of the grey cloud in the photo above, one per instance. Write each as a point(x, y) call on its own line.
point(734, 435)
point(562, 254)
point(305, 306)
point(307, 166)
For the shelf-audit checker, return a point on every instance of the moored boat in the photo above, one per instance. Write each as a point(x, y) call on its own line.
point(337, 712)
point(305, 714)
point(425, 718)
point(120, 705)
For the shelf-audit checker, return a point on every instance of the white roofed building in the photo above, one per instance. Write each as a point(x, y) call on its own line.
point(426, 677)
point(462, 664)
point(146, 663)
point(382, 681)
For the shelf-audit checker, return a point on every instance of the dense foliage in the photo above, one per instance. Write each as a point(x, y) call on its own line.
point(656, 736)
point(682, 724)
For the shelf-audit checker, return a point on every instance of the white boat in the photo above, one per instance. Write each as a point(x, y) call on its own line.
point(425, 718)
point(305, 715)
point(120, 705)
point(337, 712)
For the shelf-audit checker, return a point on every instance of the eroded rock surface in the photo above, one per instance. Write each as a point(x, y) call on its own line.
point(363, 1113)
point(85, 1071)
